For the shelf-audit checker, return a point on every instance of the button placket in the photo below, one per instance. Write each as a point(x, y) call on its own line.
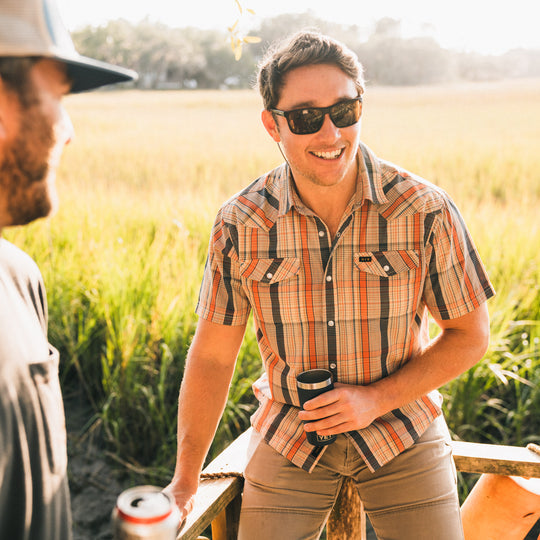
point(326, 246)
point(330, 320)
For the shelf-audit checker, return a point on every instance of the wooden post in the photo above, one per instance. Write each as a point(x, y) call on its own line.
point(348, 519)
point(225, 526)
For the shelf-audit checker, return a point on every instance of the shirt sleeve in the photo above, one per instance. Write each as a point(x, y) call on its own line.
point(222, 299)
point(457, 282)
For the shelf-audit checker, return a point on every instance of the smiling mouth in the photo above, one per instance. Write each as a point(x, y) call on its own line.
point(329, 155)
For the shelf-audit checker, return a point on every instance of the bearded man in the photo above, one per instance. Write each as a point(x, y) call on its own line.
point(38, 67)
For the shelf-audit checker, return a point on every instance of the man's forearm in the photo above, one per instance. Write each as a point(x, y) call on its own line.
point(203, 396)
point(453, 352)
point(460, 345)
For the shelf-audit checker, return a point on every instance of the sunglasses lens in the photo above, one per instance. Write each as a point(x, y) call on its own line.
point(304, 121)
point(310, 120)
point(346, 114)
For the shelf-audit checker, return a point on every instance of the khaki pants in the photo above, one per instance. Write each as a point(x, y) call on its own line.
point(413, 497)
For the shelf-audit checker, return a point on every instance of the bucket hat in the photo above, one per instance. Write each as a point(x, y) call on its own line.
point(35, 28)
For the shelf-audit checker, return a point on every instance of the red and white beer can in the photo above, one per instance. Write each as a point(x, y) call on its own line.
point(145, 513)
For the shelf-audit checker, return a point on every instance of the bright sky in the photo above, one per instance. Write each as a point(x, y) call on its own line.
point(485, 26)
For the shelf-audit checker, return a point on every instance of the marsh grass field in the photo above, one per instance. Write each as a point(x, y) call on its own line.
point(139, 188)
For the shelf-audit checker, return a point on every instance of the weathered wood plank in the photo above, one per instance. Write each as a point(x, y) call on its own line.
point(214, 495)
point(495, 459)
point(212, 498)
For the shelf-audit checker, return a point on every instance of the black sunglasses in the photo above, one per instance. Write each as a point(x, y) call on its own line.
point(310, 119)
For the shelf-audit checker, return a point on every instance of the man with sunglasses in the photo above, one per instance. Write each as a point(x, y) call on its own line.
point(340, 257)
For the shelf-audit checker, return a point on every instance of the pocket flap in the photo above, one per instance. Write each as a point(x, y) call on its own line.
point(270, 270)
point(387, 263)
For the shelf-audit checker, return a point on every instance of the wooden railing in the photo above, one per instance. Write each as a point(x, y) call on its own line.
point(218, 499)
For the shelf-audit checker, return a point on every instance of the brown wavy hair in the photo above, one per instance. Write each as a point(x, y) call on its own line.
point(302, 49)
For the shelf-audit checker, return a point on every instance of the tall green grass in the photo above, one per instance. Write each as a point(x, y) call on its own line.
point(141, 183)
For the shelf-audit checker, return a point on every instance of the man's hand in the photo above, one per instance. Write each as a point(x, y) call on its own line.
point(184, 497)
point(345, 408)
point(461, 343)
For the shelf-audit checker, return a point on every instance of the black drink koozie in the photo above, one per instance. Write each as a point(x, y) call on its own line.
point(310, 384)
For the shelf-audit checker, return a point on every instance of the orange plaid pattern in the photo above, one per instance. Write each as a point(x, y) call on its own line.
point(356, 304)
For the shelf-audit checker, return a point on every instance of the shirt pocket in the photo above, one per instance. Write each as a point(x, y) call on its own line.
point(390, 283)
point(272, 287)
point(50, 409)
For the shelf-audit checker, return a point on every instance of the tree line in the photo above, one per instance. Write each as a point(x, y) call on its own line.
point(167, 57)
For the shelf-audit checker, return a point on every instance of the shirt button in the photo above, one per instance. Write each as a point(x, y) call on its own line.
point(333, 366)
point(269, 275)
point(328, 278)
point(321, 233)
point(330, 323)
point(386, 268)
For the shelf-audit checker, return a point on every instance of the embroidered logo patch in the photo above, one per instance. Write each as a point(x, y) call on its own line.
point(364, 258)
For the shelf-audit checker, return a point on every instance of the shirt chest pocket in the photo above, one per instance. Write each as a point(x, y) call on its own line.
point(49, 410)
point(272, 286)
point(389, 282)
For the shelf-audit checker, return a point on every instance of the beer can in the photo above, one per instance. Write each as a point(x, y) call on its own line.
point(145, 513)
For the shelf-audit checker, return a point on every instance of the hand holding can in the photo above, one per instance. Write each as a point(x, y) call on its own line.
point(310, 384)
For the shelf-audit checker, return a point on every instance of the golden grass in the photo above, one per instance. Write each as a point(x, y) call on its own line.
point(464, 137)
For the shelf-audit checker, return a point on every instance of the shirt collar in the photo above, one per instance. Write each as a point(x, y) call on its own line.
point(368, 185)
point(370, 179)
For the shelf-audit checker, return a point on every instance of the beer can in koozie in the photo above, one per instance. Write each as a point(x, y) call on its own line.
point(145, 513)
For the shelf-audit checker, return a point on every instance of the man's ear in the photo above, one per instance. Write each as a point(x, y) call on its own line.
point(269, 123)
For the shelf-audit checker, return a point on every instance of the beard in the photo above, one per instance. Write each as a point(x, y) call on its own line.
point(25, 176)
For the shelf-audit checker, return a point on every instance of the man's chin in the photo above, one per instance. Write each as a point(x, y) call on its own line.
point(46, 199)
point(42, 206)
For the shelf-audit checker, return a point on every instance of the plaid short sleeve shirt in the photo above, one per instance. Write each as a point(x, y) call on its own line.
point(356, 304)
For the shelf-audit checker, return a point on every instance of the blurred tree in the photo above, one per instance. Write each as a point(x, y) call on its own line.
point(193, 58)
point(396, 61)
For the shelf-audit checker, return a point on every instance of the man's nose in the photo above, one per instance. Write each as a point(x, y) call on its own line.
point(329, 129)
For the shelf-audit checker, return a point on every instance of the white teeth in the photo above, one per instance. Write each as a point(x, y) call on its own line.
point(328, 155)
